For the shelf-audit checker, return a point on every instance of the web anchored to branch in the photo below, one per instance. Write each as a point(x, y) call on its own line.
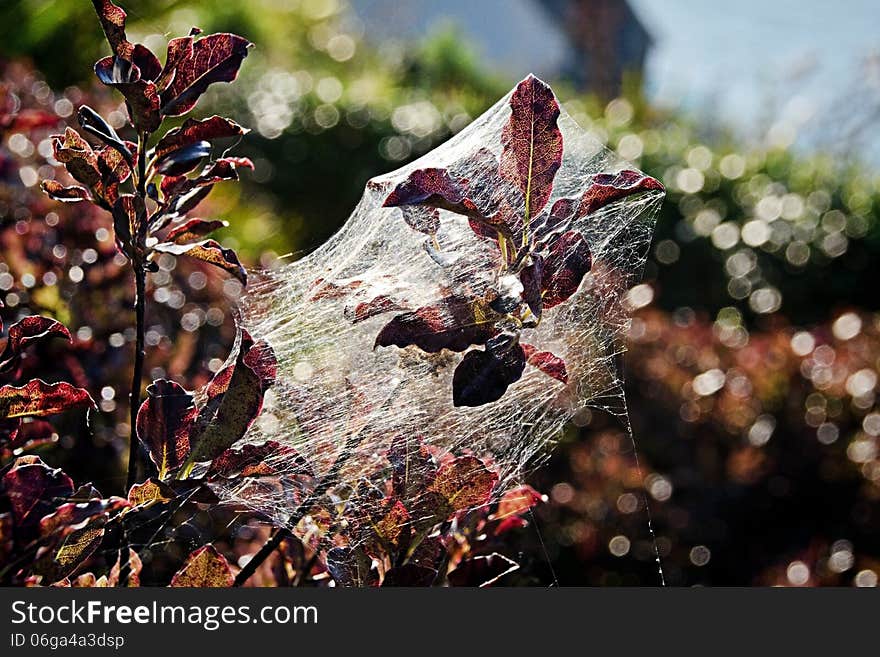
point(430, 353)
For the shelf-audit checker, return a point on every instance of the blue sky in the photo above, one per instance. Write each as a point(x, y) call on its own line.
point(750, 62)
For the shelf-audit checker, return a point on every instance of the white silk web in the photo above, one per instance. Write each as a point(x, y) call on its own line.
point(339, 401)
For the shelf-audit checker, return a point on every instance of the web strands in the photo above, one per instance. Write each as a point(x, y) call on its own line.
point(435, 347)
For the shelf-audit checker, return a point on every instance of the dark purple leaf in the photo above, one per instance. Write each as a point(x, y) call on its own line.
point(193, 229)
point(565, 266)
point(434, 188)
point(164, 423)
point(208, 251)
point(94, 124)
point(183, 160)
point(410, 575)
point(483, 570)
point(606, 188)
point(204, 568)
point(129, 223)
point(38, 398)
point(140, 93)
point(456, 323)
point(532, 143)
point(531, 278)
point(482, 377)
point(33, 489)
point(342, 566)
point(27, 330)
point(547, 362)
point(194, 131)
point(214, 58)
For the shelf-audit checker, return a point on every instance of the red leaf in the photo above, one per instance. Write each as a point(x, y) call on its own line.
point(565, 266)
point(606, 188)
point(193, 229)
point(482, 377)
point(517, 501)
point(455, 323)
point(532, 143)
point(33, 489)
point(208, 251)
point(72, 516)
point(367, 309)
point(255, 460)
point(76, 154)
point(113, 23)
point(214, 58)
point(204, 568)
point(323, 289)
point(193, 131)
point(164, 423)
point(27, 330)
point(37, 398)
point(464, 482)
point(435, 188)
point(547, 362)
point(235, 398)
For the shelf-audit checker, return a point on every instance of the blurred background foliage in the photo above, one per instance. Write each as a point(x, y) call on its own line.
point(756, 339)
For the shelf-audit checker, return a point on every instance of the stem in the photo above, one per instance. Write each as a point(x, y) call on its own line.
point(283, 532)
point(140, 285)
point(268, 548)
point(140, 279)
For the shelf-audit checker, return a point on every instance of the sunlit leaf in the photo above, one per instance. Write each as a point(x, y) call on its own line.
point(152, 491)
point(193, 229)
point(208, 251)
point(464, 482)
point(24, 332)
point(164, 423)
point(37, 398)
point(547, 362)
point(194, 131)
point(58, 192)
point(204, 568)
point(532, 143)
point(213, 58)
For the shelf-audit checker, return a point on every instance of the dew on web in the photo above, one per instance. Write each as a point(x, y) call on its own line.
point(472, 305)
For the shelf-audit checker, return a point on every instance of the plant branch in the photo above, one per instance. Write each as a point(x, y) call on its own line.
point(281, 533)
point(140, 281)
point(140, 278)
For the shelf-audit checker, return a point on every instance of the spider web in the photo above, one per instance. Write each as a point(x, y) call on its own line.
point(339, 402)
